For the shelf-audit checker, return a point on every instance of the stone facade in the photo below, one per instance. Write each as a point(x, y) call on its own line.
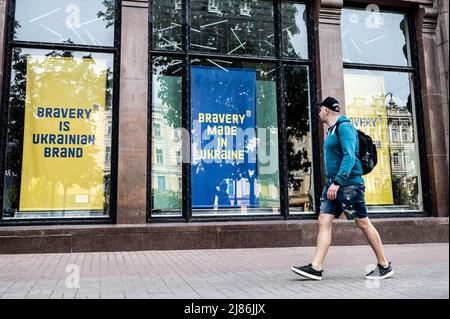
point(432, 38)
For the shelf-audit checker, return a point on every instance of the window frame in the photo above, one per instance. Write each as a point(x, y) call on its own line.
point(394, 133)
point(418, 117)
point(157, 129)
point(186, 56)
point(405, 135)
point(159, 156)
point(10, 45)
point(161, 180)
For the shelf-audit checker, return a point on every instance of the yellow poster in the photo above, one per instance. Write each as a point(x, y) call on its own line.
point(366, 109)
point(63, 151)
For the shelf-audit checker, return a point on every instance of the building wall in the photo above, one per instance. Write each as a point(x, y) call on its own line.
point(2, 41)
point(132, 176)
point(442, 51)
point(434, 110)
point(133, 134)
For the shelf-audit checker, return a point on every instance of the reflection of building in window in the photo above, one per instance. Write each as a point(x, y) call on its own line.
point(177, 133)
point(178, 4)
point(221, 27)
point(245, 8)
point(178, 157)
point(400, 120)
point(107, 140)
point(369, 115)
point(157, 130)
point(168, 145)
point(161, 182)
point(394, 133)
point(108, 153)
point(159, 156)
point(396, 159)
point(404, 174)
point(109, 125)
point(405, 134)
point(409, 162)
point(213, 6)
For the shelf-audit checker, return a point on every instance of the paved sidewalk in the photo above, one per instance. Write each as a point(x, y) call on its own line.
point(422, 271)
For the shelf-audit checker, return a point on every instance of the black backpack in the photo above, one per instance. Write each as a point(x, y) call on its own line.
point(367, 150)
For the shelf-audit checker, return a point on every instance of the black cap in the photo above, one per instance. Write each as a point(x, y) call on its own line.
point(331, 103)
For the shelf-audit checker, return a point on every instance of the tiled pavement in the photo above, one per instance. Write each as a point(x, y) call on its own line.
point(422, 271)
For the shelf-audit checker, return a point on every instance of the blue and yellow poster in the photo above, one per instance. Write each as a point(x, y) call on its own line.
point(224, 145)
point(63, 149)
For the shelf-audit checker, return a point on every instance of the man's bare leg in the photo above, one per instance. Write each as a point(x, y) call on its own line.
point(323, 240)
point(374, 239)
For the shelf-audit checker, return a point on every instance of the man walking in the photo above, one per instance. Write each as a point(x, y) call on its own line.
point(343, 192)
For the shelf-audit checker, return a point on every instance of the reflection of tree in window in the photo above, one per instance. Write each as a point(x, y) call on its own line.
point(297, 121)
point(405, 190)
point(403, 26)
point(16, 114)
point(167, 72)
point(69, 11)
point(167, 24)
point(108, 15)
point(85, 83)
point(167, 108)
point(291, 29)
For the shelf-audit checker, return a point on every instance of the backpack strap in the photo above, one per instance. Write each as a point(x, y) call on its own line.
point(336, 128)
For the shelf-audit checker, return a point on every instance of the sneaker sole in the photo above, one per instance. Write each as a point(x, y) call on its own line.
point(389, 274)
point(305, 274)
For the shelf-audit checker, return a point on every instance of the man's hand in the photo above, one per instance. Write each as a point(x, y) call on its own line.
point(332, 192)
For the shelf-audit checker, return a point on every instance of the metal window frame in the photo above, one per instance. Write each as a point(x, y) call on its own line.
point(11, 44)
point(414, 71)
point(279, 61)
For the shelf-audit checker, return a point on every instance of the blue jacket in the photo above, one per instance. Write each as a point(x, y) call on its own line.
point(341, 163)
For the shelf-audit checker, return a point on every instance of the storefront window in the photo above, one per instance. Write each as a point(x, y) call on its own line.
point(227, 74)
point(372, 37)
point(238, 27)
point(294, 33)
point(166, 23)
point(166, 140)
point(235, 167)
point(382, 104)
point(56, 158)
point(299, 150)
point(58, 151)
point(379, 103)
point(84, 22)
